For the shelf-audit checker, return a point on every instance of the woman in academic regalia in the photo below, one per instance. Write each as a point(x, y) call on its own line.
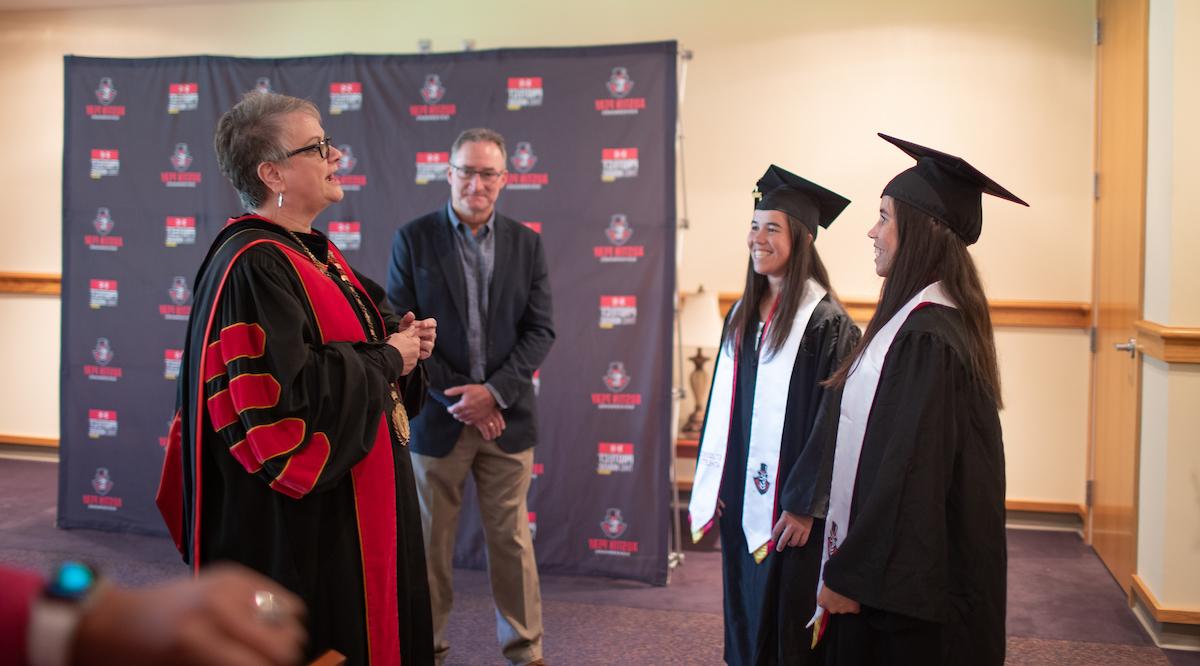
point(786, 335)
point(915, 547)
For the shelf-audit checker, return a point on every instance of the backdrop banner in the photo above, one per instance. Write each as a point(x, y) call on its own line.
point(590, 135)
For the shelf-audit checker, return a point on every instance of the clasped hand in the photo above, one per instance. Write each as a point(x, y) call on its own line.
point(477, 407)
point(414, 339)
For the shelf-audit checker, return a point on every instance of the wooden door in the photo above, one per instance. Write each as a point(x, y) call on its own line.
point(1121, 63)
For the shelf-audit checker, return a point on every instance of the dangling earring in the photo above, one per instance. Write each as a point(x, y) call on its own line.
point(279, 201)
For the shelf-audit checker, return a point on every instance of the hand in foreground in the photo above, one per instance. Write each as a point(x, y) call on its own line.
point(491, 425)
point(791, 530)
point(213, 619)
point(475, 403)
point(427, 333)
point(408, 343)
point(836, 603)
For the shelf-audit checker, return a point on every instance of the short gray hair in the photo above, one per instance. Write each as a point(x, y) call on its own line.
point(483, 134)
point(251, 133)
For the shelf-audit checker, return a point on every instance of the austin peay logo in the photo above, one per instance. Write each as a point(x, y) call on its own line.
point(524, 92)
point(172, 360)
point(102, 294)
point(523, 160)
point(537, 382)
point(102, 354)
point(183, 97)
point(180, 231)
point(618, 102)
point(181, 296)
point(432, 167)
point(533, 525)
point(762, 482)
point(263, 85)
point(102, 484)
point(344, 97)
point(618, 232)
point(614, 457)
point(535, 227)
point(350, 182)
point(105, 162)
point(106, 94)
point(181, 161)
point(613, 526)
point(432, 92)
point(103, 225)
point(537, 469)
point(616, 379)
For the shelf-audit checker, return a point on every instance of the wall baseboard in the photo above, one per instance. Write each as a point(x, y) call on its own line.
point(1162, 614)
point(38, 284)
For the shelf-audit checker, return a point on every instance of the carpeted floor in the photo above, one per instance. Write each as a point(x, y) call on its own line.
point(1063, 607)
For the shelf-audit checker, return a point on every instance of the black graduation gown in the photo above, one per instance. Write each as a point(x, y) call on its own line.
point(305, 533)
point(925, 554)
point(767, 604)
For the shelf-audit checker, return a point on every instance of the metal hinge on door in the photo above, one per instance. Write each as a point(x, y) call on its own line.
point(1092, 339)
point(1088, 493)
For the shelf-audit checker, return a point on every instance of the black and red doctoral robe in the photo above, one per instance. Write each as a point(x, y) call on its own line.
point(281, 456)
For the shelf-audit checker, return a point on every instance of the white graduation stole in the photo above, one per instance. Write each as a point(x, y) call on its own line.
point(772, 383)
point(857, 398)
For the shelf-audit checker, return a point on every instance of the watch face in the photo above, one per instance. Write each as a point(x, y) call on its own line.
point(72, 580)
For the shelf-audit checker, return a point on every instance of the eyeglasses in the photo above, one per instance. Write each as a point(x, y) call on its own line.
point(322, 148)
point(486, 176)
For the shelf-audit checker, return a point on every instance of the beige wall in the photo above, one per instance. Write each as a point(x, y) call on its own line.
point(1169, 467)
point(804, 84)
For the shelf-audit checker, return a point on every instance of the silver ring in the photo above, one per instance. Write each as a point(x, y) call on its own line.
point(267, 607)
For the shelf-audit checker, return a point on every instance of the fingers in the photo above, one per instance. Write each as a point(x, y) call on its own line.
point(456, 390)
point(803, 537)
point(406, 321)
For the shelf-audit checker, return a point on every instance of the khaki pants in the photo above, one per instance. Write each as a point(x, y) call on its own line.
point(502, 480)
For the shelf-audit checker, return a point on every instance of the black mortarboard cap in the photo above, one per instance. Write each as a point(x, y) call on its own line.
point(945, 187)
point(811, 204)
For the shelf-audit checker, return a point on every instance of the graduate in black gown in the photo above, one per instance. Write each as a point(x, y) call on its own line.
point(786, 335)
point(915, 543)
point(289, 451)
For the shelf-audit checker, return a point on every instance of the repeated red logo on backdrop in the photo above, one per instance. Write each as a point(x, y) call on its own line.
point(618, 163)
point(102, 294)
point(525, 92)
point(181, 297)
point(613, 526)
point(616, 379)
point(522, 176)
point(101, 370)
point(181, 174)
point(172, 360)
point(432, 167)
point(102, 240)
point(183, 97)
point(106, 94)
point(350, 182)
point(180, 230)
point(345, 96)
point(432, 92)
point(102, 423)
point(618, 232)
point(618, 311)
point(106, 162)
point(619, 103)
point(101, 497)
point(614, 457)
point(347, 236)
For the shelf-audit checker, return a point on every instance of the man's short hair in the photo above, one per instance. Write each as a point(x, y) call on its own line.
point(477, 134)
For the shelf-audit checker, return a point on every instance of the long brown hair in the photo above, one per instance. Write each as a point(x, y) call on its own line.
point(930, 251)
point(803, 263)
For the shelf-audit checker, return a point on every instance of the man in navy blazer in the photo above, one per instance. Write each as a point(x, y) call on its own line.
point(483, 277)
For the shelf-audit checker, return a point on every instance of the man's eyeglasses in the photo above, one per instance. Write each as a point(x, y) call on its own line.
point(322, 148)
point(487, 176)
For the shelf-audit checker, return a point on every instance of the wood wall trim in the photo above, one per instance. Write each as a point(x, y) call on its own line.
point(1173, 344)
point(1036, 506)
point(25, 440)
point(1011, 313)
point(40, 284)
point(1161, 614)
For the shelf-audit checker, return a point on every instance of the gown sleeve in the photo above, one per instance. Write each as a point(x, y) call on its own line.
point(296, 412)
point(806, 492)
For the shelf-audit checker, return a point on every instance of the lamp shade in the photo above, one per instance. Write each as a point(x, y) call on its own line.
point(700, 320)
